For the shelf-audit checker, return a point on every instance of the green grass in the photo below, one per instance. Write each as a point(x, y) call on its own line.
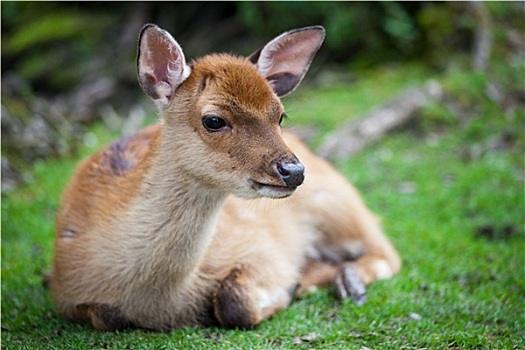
point(451, 203)
point(326, 108)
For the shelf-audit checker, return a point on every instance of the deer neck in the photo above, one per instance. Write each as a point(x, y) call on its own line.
point(174, 218)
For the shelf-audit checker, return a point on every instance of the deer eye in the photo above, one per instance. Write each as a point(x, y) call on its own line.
point(214, 123)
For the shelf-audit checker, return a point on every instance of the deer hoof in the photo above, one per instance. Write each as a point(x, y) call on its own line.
point(348, 283)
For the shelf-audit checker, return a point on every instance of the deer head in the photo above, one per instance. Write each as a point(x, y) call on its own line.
point(221, 115)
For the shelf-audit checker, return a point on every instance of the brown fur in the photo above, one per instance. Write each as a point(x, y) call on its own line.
point(152, 231)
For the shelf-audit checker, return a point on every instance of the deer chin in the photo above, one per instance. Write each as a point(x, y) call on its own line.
point(272, 191)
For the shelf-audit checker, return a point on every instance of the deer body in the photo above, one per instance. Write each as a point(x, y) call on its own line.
point(161, 229)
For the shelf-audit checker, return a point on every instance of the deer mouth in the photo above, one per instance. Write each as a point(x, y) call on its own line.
point(271, 190)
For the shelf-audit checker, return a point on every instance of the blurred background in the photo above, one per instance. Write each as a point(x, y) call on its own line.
point(68, 64)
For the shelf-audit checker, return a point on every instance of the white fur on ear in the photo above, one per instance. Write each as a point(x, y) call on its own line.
point(285, 60)
point(161, 66)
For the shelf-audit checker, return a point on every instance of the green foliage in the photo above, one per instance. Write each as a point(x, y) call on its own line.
point(446, 29)
point(55, 44)
point(49, 41)
point(53, 27)
point(364, 32)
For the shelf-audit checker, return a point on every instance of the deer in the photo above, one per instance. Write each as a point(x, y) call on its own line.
point(214, 215)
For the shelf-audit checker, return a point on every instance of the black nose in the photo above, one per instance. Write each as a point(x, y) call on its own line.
point(292, 173)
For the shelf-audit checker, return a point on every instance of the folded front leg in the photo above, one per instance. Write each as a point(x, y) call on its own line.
point(243, 301)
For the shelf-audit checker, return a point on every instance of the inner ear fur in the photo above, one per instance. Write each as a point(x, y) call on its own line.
point(161, 65)
point(285, 60)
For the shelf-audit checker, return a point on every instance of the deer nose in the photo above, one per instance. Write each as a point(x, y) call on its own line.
point(292, 172)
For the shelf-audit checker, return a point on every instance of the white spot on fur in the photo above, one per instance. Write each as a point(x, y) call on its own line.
point(311, 289)
point(382, 270)
point(269, 192)
point(270, 298)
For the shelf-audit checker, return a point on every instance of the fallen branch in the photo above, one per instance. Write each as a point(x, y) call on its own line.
point(355, 135)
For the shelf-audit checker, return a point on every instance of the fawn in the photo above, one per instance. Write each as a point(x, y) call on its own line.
point(160, 230)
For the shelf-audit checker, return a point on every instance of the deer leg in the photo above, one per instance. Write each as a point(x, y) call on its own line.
point(344, 277)
point(353, 277)
point(349, 277)
point(316, 273)
point(352, 246)
point(105, 317)
point(241, 302)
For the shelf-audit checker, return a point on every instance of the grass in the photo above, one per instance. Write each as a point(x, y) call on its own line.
point(451, 201)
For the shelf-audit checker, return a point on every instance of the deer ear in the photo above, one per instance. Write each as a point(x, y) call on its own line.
point(161, 66)
point(285, 60)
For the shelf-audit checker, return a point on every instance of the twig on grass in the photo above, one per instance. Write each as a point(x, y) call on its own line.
point(353, 136)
